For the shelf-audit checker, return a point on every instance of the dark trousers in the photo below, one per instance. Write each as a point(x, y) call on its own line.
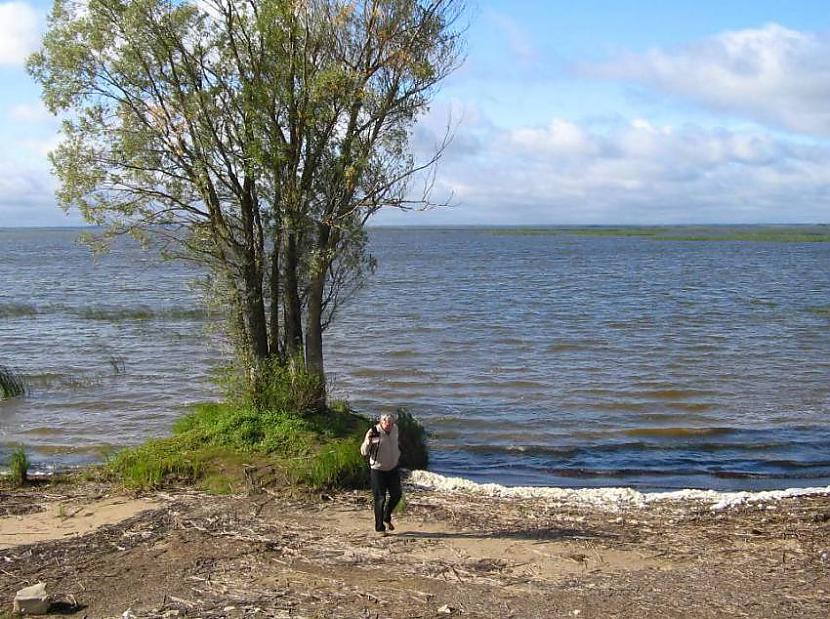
point(383, 482)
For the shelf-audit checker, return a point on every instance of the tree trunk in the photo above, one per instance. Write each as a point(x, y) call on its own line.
point(314, 313)
point(254, 309)
point(252, 273)
point(314, 322)
point(292, 311)
point(274, 347)
point(314, 331)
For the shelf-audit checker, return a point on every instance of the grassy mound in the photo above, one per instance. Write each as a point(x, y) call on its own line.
point(214, 445)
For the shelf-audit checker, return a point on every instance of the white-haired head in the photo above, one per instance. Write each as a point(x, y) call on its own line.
point(386, 422)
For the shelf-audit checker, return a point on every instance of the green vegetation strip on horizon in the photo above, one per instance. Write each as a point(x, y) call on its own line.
point(770, 234)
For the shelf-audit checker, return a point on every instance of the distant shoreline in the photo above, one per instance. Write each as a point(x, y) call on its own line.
point(586, 226)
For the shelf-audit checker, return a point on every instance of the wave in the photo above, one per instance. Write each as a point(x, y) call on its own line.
point(43, 431)
point(679, 473)
point(678, 432)
point(658, 451)
point(609, 499)
point(646, 391)
point(673, 394)
point(575, 346)
point(401, 354)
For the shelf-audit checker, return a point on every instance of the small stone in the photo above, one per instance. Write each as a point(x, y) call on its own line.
point(576, 612)
point(446, 609)
point(824, 556)
point(32, 600)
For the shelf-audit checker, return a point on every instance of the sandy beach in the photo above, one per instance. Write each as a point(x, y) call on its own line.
point(469, 551)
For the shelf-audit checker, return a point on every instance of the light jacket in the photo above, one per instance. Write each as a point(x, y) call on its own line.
point(385, 455)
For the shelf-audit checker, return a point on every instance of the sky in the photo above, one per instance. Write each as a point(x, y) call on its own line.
point(563, 113)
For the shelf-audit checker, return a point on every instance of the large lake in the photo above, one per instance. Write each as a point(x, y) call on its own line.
point(542, 359)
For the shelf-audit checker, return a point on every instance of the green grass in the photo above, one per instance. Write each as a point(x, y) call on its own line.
point(211, 446)
point(18, 468)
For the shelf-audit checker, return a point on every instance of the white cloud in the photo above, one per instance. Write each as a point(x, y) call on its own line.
point(559, 137)
point(634, 172)
point(26, 195)
point(40, 147)
point(19, 32)
point(518, 40)
point(29, 113)
point(771, 74)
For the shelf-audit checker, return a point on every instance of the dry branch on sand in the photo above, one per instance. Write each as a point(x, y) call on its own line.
point(304, 555)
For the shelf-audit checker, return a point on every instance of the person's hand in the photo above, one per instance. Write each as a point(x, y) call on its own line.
point(368, 438)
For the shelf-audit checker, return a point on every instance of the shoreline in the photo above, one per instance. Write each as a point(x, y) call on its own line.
point(612, 498)
point(460, 551)
point(603, 497)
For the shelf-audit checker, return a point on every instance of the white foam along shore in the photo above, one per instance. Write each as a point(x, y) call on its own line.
point(608, 499)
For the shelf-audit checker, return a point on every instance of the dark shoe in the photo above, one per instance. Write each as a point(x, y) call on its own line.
point(380, 530)
point(389, 525)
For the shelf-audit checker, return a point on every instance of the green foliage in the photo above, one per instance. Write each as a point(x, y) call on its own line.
point(267, 157)
point(18, 467)
point(412, 437)
point(271, 385)
point(11, 384)
point(285, 386)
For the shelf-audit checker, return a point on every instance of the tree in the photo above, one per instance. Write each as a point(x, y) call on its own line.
point(254, 137)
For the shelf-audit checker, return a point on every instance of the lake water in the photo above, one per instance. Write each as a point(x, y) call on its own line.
point(552, 360)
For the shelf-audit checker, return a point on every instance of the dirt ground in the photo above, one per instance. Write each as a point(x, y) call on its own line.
point(103, 553)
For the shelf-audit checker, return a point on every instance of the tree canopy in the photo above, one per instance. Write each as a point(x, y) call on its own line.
point(256, 137)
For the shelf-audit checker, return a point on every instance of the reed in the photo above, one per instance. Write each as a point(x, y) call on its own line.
point(18, 468)
point(11, 384)
point(17, 310)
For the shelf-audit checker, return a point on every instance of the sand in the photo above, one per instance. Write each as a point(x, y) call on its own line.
point(459, 549)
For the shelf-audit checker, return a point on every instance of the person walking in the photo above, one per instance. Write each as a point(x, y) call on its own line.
point(381, 446)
